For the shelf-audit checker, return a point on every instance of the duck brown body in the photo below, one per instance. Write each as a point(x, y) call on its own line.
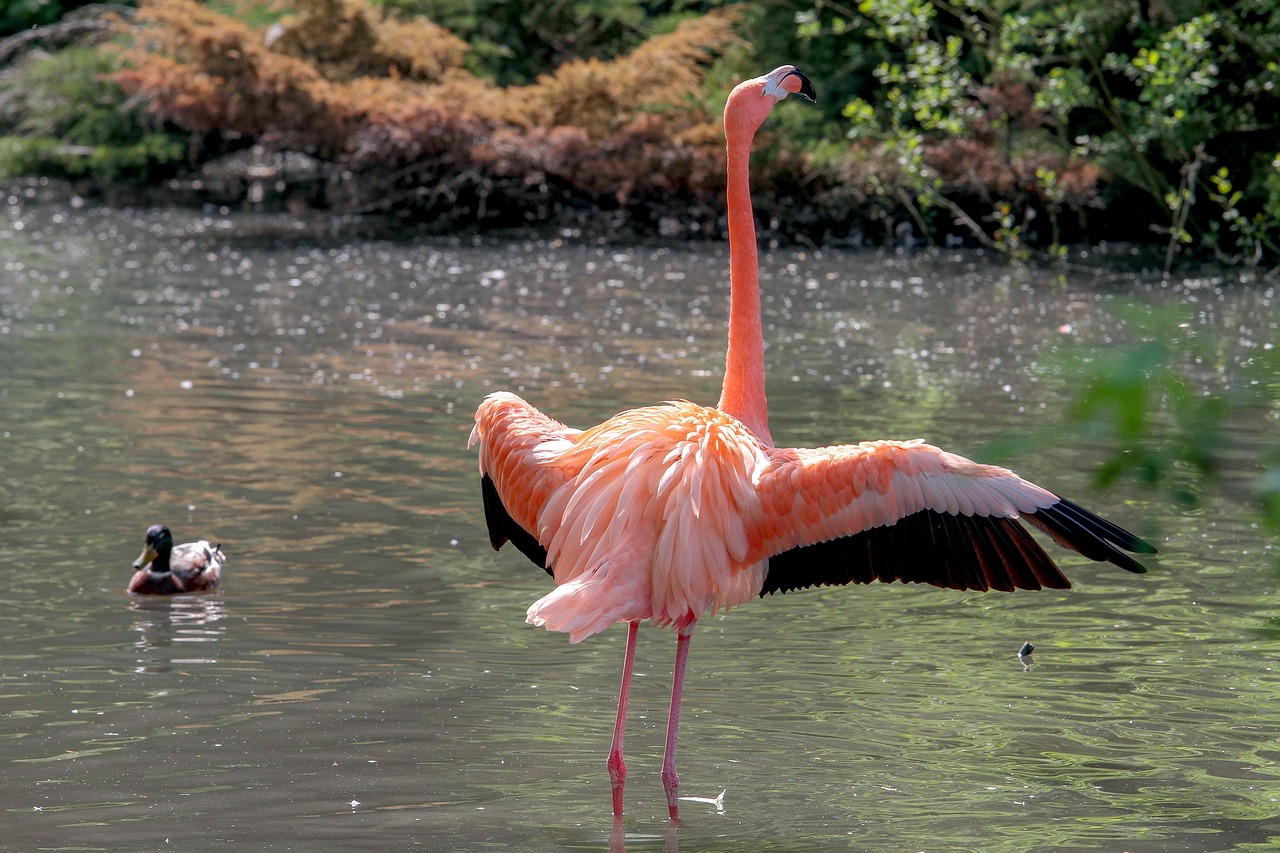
point(167, 569)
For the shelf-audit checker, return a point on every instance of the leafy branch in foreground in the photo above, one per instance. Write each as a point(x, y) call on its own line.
point(1167, 421)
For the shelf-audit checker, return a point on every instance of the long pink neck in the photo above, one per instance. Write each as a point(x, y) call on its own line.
point(743, 394)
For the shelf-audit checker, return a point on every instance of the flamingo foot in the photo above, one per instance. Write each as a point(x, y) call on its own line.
point(617, 779)
point(671, 784)
point(670, 781)
point(616, 766)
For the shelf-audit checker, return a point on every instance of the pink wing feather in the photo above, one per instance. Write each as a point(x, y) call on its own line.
point(910, 512)
point(517, 446)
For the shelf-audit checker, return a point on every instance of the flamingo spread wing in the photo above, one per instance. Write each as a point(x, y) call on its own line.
point(910, 512)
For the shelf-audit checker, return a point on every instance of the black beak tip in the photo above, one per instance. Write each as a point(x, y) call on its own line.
point(806, 87)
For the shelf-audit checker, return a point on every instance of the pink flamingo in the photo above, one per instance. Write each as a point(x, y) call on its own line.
point(670, 511)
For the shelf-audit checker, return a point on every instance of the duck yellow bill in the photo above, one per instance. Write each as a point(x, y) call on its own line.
point(148, 554)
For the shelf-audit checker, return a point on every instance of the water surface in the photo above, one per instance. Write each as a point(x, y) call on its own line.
point(365, 679)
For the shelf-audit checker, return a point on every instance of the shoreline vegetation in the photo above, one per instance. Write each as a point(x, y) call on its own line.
point(1022, 127)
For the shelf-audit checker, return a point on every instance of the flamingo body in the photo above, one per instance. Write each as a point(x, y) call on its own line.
point(645, 516)
point(667, 512)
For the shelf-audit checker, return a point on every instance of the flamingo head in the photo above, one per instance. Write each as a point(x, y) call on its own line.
point(751, 101)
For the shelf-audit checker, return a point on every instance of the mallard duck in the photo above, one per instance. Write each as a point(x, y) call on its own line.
point(168, 569)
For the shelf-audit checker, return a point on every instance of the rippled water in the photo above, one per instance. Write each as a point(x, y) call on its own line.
point(365, 679)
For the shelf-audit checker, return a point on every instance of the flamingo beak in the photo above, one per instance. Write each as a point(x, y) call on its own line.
point(788, 81)
point(806, 89)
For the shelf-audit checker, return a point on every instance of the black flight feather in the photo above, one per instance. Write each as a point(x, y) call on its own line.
point(503, 528)
point(976, 552)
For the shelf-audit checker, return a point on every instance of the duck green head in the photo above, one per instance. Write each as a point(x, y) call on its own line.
point(159, 541)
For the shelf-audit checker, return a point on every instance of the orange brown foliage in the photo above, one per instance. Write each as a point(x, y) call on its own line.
point(388, 103)
point(660, 76)
point(344, 40)
point(207, 73)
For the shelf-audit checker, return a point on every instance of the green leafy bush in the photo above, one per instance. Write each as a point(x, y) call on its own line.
point(18, 15)
point(1006, 116)
point(62, 114)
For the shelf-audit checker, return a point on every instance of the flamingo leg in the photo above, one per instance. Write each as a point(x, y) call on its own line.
point(618, 767)
point(670, 781)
